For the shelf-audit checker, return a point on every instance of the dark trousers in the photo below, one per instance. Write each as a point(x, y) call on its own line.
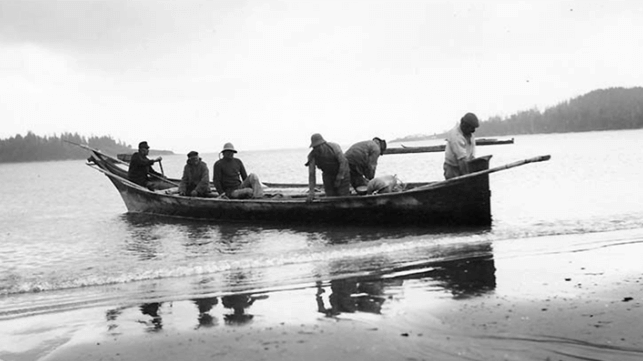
point(344, 188)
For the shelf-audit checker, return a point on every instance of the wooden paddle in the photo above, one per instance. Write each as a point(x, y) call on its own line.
point(161, 166)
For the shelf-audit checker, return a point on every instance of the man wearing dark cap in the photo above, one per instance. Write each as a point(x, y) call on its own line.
point(362, 161)
point(461, 146)
point(140, 167)
point(196, 177)
point(328, 157)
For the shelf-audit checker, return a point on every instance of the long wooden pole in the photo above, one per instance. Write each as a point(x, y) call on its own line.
point(441, 147)
point(540, 158)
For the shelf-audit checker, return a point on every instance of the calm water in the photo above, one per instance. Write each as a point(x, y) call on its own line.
point(67, 243)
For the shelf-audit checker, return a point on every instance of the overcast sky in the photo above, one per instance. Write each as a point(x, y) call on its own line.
point(267, 74)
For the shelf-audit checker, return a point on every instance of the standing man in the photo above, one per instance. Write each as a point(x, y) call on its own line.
point(140, 167)
point(330, 159)
point(230, 177)
point(196, 177)
point(461, 147)
point(362, 161)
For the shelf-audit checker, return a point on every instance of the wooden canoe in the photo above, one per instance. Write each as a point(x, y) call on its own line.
point(463, 201)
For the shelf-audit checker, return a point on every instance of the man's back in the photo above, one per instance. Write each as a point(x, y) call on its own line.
point(328, 157)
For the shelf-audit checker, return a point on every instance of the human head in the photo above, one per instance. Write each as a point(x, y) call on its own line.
point(228, 150)
point(382, 144)
point(143, 148)
point(468, 124)
point(193, 157)
point(316, 140)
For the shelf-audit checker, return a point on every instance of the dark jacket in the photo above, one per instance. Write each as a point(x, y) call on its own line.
point(329, 158)
point(362, 157)
point(195, 177)
point(227, 174)
point(139, 169)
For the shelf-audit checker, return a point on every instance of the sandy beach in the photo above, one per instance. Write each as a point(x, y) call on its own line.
point(580, 303)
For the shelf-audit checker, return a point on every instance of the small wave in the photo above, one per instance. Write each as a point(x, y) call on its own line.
point(355, 255)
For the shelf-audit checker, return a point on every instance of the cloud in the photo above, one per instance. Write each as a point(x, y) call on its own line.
point(263, 74)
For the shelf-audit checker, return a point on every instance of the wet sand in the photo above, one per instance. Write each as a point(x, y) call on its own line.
point(579, 302)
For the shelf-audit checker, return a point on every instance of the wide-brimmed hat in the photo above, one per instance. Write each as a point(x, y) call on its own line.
point(316, 139)
point(143, 145)
point(230, 147)
point(193, 154)
point(470, 119)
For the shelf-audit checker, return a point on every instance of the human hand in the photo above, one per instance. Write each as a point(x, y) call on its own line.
point(311, 196)
point(158, 159)
point(338, 182)
point(194, 193)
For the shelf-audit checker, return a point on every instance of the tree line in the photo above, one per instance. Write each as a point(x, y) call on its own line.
point(604, 109)
point(32, 147)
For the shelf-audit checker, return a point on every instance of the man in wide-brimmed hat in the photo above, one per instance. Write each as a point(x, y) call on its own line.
point(328, 157)
point(140, 167)
point(461, 146)
point(196, 177)
point(230, 177)
point(362, 161)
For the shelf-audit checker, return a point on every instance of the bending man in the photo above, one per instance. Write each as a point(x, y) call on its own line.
point(330, 159)
point(362, 160)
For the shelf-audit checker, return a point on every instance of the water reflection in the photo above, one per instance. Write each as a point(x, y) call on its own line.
point(467, 272)
point(351, 295)
point(155, 323)
point(204, 305)
point(466, 278)
point(144, 241)
point(463, 273)
point(238, 304)
point(142, 227)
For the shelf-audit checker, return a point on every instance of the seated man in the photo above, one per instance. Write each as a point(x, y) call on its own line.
point(196, 177)
point(140, 167)
point(230, 177)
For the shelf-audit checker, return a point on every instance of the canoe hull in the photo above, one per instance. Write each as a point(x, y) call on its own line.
point(463, 202)
point(458, 203)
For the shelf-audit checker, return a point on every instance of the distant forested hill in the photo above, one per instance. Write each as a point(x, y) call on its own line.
point(35, 148)
point(605, 109)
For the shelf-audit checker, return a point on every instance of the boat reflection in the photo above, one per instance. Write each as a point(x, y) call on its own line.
point(145, 226)
point(349, 269)
point(464, 274)
point(351, 295)
point(462, 278)
point(466, 278)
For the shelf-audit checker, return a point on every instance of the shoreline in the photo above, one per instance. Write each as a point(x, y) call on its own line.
point(578, 303)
